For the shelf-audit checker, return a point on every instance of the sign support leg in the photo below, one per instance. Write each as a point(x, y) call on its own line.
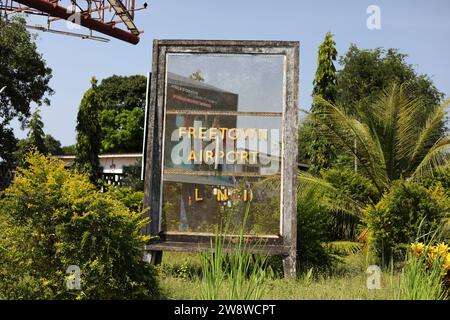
point(289, 266)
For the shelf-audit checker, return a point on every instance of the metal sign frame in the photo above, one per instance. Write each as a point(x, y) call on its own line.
point(285, 244)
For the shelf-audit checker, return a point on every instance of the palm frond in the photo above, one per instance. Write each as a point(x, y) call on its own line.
point(344, 130)
point(429, 131)
point(436, 159)
point(328, 195)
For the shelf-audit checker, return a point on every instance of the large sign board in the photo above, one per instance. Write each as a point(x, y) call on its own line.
point(221, 144)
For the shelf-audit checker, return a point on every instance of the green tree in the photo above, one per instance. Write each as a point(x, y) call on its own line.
point(36, 139)
point(325, 77)
point(36, 135)
point(366, 73)
point(197, 76)
point(26, 76)
point(391, 145)
point(89, 134)
point(122, 115)
point(409, 210)
point(69, 150)
point(320, 152)
point(51, 218)
point(52, 145)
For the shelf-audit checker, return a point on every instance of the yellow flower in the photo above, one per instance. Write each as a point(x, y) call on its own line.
point(447, 262)
point(442, 248)
point(417, 248)
point(433, 252)
point(44, 281)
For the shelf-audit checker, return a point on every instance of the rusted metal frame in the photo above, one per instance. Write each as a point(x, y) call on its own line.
point(88, 22)
point(84, 12)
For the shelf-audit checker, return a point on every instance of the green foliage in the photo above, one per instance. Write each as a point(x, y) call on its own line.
point(197, 76)
point(348, 184)
point(352, 184)
point(396, 219)
point(52, 145)
point(312, 226)
point(88, 134)
point(343, 248)
point(69, 150)
point(122, 115)
point(366, 73)
point(36, 133)
point(36, 140)
point(26, 76)
point(245, 274)
point(325, 77)
point(51, 218)
point(389, 143)
point(319, 150)
point(132, 177)
point(421, 280)
point(133, 200)
point(440, 178)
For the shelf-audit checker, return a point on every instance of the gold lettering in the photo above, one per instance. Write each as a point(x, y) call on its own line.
point(191, 131)
point(223, 130)
point(233, 134)
point(262, 134)
point(192, 156)
point(197, 197)
point(222, 195)
point(253, 154)
point(244, 156)
point(208, 155)
point(249, 133)
point(202, 133)
point(231, 161)
point(181, 131)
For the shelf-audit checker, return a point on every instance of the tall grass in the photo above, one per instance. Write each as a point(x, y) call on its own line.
point(421, 277)
point(230, 271)
point(421, 281)
point(213, 274)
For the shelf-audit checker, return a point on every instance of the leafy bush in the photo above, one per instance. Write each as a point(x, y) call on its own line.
point(133, 200)
point(396, 219)
point(348, 183)
point(51, 218)
point(312, 225)
point(440, 178)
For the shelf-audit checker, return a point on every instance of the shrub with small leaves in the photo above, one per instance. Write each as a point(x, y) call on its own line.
point(396, 220)
point(51, 218)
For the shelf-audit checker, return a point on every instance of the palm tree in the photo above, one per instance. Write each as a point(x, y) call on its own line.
point(396, 137)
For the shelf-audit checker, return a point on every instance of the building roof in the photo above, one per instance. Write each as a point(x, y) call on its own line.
point(106, 155)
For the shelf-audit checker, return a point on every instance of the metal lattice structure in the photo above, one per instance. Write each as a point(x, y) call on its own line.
point(114, 18)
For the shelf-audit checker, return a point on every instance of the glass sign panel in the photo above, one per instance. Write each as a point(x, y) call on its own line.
point(222, 143)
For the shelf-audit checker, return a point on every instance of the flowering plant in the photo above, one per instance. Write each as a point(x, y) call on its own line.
point(438, 253)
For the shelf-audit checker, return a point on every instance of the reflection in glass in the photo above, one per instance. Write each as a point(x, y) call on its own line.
point(225, 82)
point(222, 143)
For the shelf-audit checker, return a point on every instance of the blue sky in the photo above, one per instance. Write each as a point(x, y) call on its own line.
point(419, 28)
